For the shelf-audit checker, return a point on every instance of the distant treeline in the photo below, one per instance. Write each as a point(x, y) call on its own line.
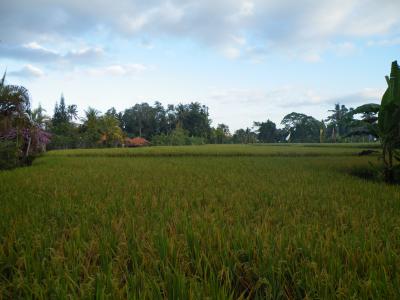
point(25, 132)
point(189, 124)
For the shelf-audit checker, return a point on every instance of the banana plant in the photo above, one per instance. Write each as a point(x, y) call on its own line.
point(389, 122)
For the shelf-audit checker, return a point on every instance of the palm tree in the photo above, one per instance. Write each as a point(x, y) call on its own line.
point(14, 106)
point(72, 111)
point(18, 124)
point(338, 120)
point(91, 114)
point(39, 117)
point(14, 110)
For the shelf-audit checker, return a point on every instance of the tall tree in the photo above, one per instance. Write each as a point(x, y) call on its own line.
point(194, 118)
point(91, 127)
point(367, 124)
point(266, 131)
point(111, 133)
point(140, 120)
point(72, 112)
point(302, 128)
point(220, 135)
point(14, 105)
point(60, 112)
point(64, 132)
point(244, 136)
point(339, 122)
point(40, 118)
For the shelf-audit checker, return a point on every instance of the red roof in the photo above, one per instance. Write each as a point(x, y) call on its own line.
point(136, 142)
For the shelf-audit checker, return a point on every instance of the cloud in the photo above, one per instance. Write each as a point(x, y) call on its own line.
point(367, 95)
point(28, 71)
point(292, 97)
point(118, 70)
point(240, 107)
point(35, 52)
point(344, 49)
point(394, 41)
point(31, 52)
point(84, 55)
point(231, 52)
point(284, 96)
point(231, 96)
point(311, 57)
point(287, 26)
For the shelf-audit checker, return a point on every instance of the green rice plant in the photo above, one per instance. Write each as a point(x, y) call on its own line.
point(223, 222)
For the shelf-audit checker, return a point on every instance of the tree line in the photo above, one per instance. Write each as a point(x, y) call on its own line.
point(182, 124)
point(25, 132)
point(190, 124)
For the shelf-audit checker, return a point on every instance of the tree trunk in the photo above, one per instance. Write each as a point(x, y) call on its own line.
point(388, 161)
point(28, 148)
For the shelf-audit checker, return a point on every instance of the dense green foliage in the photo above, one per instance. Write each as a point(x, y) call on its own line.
point(389, 123)
point(177, 137)
point(182, 124)
point(9, 156)
point(368, 124)
point(189, 124)
point(339, 122)
point(193, 222)
point(267, 131)
point(302, 128)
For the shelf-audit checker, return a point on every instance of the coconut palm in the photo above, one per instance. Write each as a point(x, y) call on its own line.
point(17, 126)
point(39, 117)
point(14, 106)
point(72, 111)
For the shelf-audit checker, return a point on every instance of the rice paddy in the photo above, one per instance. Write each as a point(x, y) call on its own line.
point(216, 222)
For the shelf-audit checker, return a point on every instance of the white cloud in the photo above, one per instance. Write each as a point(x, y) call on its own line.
point(85, 53)
point(240, 107)
point(118, 70)
point(34, 46)
point(293, 97)
point(367, 95)
point(311, 57)
point(231, 52)
point(34, 51)
point(344, 49)
point(293, 25)
point(384, 42)
point(284, 96)
point(28, 71)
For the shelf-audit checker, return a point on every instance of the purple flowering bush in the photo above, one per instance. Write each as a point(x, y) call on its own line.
point(20, 147)
point(21, 137)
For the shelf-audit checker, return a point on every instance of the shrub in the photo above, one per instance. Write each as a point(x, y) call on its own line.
point(178, 137)
point(9, 155)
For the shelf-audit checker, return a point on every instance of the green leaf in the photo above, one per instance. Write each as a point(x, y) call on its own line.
point(389, 112)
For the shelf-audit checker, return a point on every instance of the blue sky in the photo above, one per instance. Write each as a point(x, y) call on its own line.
point(248, 60)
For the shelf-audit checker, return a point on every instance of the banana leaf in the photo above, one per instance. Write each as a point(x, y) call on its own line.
point(389, 112)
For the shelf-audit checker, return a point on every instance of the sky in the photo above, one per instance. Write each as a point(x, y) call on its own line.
point(247, 60)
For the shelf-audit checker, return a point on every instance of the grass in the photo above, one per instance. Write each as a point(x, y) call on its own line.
point(225, 150)
point(222, 222)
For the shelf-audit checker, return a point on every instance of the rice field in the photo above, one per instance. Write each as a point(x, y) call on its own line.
point(199, 222)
